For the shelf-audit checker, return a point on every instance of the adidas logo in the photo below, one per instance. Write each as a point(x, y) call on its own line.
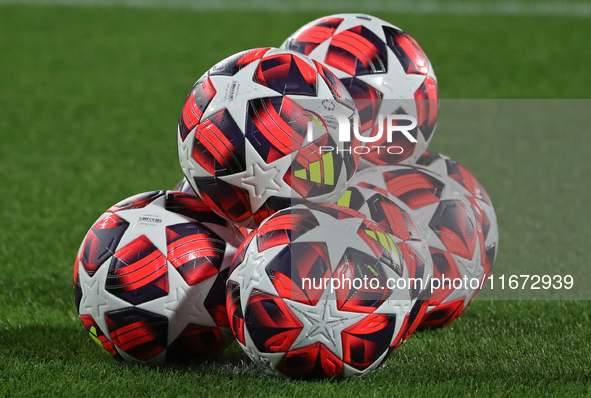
point(317, 170)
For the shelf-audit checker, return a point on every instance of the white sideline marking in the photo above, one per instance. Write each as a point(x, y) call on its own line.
point(579, 9)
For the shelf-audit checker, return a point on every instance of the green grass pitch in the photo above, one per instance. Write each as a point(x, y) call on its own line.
point(89, 102)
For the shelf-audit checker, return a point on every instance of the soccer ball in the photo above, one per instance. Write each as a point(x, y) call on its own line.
point(318, 291)
point(149, 280)
point(478, 197)
point(446, 219)
point(255, 132)
point(385, 71)
point(394, 217)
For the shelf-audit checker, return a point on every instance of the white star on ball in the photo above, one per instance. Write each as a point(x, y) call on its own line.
point(251, 273)
point(260, 179)
point(95, 299)
point(184, 304)
point(322, 323)
point(339, 235)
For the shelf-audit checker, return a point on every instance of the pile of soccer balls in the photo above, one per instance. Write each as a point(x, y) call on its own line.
point(312, 226)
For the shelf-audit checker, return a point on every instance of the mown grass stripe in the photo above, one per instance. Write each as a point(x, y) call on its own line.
point(551, 8)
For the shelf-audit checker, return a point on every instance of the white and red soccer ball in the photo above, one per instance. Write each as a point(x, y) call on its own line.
point(320, 291)
point(244, 140)
point(150, 277)
point(386, 73)
point(476, 194)
point(486, 227)
point(451, 224)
